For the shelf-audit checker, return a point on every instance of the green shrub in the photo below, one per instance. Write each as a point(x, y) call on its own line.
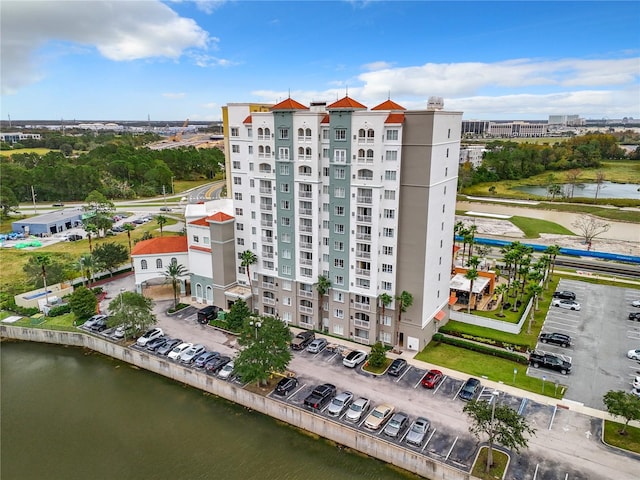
point(377, 357)
point(515, 357)
point(60, 310)
point(518, 347)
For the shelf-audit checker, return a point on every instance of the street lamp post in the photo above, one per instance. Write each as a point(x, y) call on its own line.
point(257, 325)
point(121, 292)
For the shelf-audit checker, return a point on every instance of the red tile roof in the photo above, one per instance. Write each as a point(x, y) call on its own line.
point(325, 119)
point(202, 222)
point(289, 104)
point(154, 246)
point(346, 103)
point(388, 105)
point(200, 249)
point(220, 217)
point(395, 118)
point(247, 120)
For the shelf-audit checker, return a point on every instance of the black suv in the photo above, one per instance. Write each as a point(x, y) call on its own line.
point(564, 295)
point(556, 339)
point(286, 386)
point(320, 396)
point(634, 316)
point(206, 314)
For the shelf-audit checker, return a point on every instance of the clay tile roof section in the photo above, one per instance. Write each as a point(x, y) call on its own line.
point(395, 118)
point(247, 120)
point(325, 119)
point(346, 103)
point(202, 222)
point(160, 245)
point(289, 104)
point(388, 105)
point(220, 217)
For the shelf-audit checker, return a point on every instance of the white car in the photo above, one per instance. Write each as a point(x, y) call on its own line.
point(568, 304)
point(354, 358)
point(226, 371)
point(179, 350)
point(636, 392)
point(634, 354)
point(190, 355)
point(150, 335)
point(635, 303)
point(636, 383)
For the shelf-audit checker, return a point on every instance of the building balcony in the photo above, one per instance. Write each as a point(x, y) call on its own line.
point(364, 272)
point(305, 309)
point(267, 254)
point(266, 223)
point(363, 254)
point(269, 285)
point(304, 139)
point(304, 293)
point(305, 228)
point(265, 190)
point(363, 236)
point(305, 211)
point(362, 340)
point(267, 239)
point(268, 301)
point(305, 194)
point(306, 325)
point(266, 208)
point(306, 246)
point(367, 200)
point(306, 261)
point(304, 158)
point(362, 324)
point(364, 218)
point(362, 306)
point(365, 160)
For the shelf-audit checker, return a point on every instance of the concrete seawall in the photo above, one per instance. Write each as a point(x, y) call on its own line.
point(342, 434)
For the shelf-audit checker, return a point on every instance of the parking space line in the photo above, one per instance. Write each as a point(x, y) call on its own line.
point(440, 384)
point(555, 409)
point(405, 434)
point(456, 395)
point(428, 440)
point(331, 357)
point(523, 404)
point(557, 329)
point(419, 381)
point(451, 449)
point(535, 474)
point(296, 392)
point(405, 372)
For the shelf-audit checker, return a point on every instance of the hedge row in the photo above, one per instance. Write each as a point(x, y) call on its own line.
point(518, 347)
point(514, 357)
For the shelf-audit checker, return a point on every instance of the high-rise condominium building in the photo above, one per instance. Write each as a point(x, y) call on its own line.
point(358, 201)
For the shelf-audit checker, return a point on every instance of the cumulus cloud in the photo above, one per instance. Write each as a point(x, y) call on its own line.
point(120, 31)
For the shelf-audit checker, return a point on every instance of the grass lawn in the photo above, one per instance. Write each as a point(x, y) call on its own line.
point(481, 365)
point(62, 322)
point(630, 441)
point(39, 151)
point(500, 461)
point(533, 227)
point(379, 370)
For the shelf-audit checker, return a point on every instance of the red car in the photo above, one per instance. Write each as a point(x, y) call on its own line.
point(432, 379)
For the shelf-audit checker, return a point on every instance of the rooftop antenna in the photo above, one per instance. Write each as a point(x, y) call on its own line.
point(347, 90)
point(9, 115)
point(389, 96)
point(289, 93)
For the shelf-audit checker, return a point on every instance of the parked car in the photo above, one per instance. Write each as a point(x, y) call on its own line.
point(378, 416)
point(117, 229)
point(568, 304)
point(205, 357)
point(213, 366)
point(286, 385)
point(634, 354)
point(226, 371)
point(469, 389)
point(418, 431)
point(302, 340)
point(634, 316)
point(354, 358)
point(396, 425)
point(357, 409)
point(168, 346)
point(397, 367)
point(550, 361)
point(92, 320)
point(208, 313)
point(57, 204)
point(165, 209)
point(339, 404)
point(636, 382)
point(179, 350)
point(635, 303)
point(555, 339)
point(148, 336)
point(74, 237)
point(317, 345)
point(100, 325)
point(564, 295)
point(192, 353)
point(126, 330)
point(432, 379)
point(320, 396)
point(156, 343)
point(635, 391)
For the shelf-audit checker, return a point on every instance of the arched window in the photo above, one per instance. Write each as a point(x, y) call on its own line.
point(260, 132)
point(300, 132)
point(305, 171)
point(174, 261)
point(307, 152)
point(300, 151)
point(264, 168)
point(159, 263)
point(307, 132)
point(267, 133)
point(370, 156)
point(361, 134)
point(365, 174)
point(143, 264)
point(209, 294)
point(370, 134)
point(361, 154)
point(267, 151)
point(261, 150)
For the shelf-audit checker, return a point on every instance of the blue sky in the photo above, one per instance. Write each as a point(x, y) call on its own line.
point(171, 60)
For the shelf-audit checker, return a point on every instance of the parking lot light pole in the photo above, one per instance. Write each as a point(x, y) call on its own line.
point(257, 325)
point(515, 372)
point(544, 379)
point(494, 399)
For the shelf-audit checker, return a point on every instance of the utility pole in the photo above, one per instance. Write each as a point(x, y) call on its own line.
point(33, 197)
point(164, 193)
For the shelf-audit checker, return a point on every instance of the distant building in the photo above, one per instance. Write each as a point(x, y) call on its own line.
point(503, 129)
point(565, 121)
point(49, 223)
point(17, 137)
point(472, 154)
point(152, 257)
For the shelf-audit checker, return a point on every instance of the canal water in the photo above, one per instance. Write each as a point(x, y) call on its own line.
point(588, 190)
point(73, 414)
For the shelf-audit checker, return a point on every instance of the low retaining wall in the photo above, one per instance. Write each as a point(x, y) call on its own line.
point(342, 434)
point(507, 327)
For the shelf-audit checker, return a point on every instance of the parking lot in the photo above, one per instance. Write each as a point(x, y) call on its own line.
point(566, 444)
point(601, 336)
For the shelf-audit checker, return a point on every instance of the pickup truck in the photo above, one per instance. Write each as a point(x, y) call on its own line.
point(320, 396)
point(547, 360)
point(302, 340)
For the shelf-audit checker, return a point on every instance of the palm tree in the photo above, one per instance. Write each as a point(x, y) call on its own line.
point(173, 274)
point(405, 300)
point(501, 290)
point(88, 266)
point(128, 228)
point(323, 286)
point(44, 261)
point(471, 275)
point(162, 220)
point(534, 289)
point(552, 251)
point(248, 258)
point(91, 230)
point(471, 233)
point(385, 300)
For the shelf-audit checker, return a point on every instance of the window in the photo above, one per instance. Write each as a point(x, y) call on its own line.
point(392, 134)
point(338, 296)
point(363, 283)
point(449, 133)
point(286, 285)
point(325, 171)
point(236, 165)
point(285, 237)
point(285, 205)
point(443, 205)
point(391, 155)
point(339, 280)
point(338, 228)
point(283, 153)
point(338, 192)
point(237, 181)
point(250, 149)
point(325, 188)
point(338, 313)
point(325, 134)
point(386, 286)
point(338, 263)
point(284, 169)
point(325, 207)
point(339, 210)
point(386, 320)
point(340, 134)
point(286, 301)
point(325, 224)
point(389, 194)
point(158, 263)
point(239, 227)
point(284, 187)
point(325, 153)
point(447, 153)
point(143, 264)
point(387, 250)
point(205, 240)
point(387, 232)
point(235, 148)
point(286, 317)
point(235, 132)
point(284, 133)
point(338, 329)
point(389, 213)
point(238, 212)
point(389, 175)
point(240, 241)
point(285, 221)
point(285, 269)
point(338, 246)
point(386, 268)
point(285, 253)
point(196, 239)
point(339, 173)
point(237, 196)
point(340, 156)
point(446, 171)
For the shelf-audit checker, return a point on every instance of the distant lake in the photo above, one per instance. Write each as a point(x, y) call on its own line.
point(588, 190)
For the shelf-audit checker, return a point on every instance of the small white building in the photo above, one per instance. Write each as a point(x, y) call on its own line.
point(152, 257)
